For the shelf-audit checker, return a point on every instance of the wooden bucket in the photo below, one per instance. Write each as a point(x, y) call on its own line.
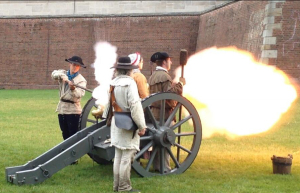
point(282, 165)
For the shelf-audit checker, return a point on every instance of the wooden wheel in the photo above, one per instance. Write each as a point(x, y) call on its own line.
point(86, 119)
point(181, 141)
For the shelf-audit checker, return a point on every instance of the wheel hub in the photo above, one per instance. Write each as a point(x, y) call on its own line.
point(164, 137)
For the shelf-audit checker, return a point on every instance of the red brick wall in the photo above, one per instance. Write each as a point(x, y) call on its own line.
point(239, 24)
point(30, 49)
point(288, 39)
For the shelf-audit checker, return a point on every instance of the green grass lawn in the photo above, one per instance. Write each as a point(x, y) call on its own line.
point(29, 127)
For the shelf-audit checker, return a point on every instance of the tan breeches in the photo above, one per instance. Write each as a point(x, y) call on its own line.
point(122, 169)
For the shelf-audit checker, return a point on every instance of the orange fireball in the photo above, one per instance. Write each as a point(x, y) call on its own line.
point(234, 94)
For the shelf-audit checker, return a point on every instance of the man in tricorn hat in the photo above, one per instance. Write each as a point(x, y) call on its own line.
point(160, 81)
point(126, 142)
point(69, 108)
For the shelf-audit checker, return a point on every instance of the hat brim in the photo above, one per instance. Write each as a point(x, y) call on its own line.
point(74, 62)
point(125, 67)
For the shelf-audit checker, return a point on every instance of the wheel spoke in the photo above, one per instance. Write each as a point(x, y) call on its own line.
point(91, 121)
point(173, 157)
point(152, 118)
point(162, 112)
point(143, 138)
point(172, 115)
point(151, 159)
point(179, 131)
point(185, 134)
point(140, 153)
point(162, 160)
point(183, 148)
point(181, 122)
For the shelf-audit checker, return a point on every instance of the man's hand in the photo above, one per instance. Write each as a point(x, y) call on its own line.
point(98, 112)
point(64, 78)
point(142, 132)
point(182, 80)
point(71, 85)
point(56, 74)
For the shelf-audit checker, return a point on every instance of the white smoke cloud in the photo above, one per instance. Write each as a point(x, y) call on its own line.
point(106, 56)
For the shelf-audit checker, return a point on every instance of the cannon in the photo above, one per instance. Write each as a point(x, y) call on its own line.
point(181, 140)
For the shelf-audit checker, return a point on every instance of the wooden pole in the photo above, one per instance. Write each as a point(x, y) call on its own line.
point(183, 61)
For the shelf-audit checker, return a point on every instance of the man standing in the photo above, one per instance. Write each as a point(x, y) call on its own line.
point(125, 98)
point(160, 81)
point(69, 108)
point(141, 81)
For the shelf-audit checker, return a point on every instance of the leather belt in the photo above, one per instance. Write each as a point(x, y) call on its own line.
point(67, 101)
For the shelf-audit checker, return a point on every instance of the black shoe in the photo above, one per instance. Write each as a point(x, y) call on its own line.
point(133, 190)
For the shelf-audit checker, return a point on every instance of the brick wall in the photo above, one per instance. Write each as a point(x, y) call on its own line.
point(30, 49)
point(288, 38)
point(268, 29)
point(238, 24)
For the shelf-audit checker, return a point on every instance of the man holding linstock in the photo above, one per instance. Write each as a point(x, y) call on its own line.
point(69, 108)
point(160, 81)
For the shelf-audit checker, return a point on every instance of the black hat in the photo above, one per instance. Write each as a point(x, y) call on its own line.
point(124, 63)
point(76, 60)
point(159, 56)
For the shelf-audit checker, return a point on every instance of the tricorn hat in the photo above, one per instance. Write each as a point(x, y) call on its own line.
point(159, 56)
point(76, 60)
point(125, 63)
